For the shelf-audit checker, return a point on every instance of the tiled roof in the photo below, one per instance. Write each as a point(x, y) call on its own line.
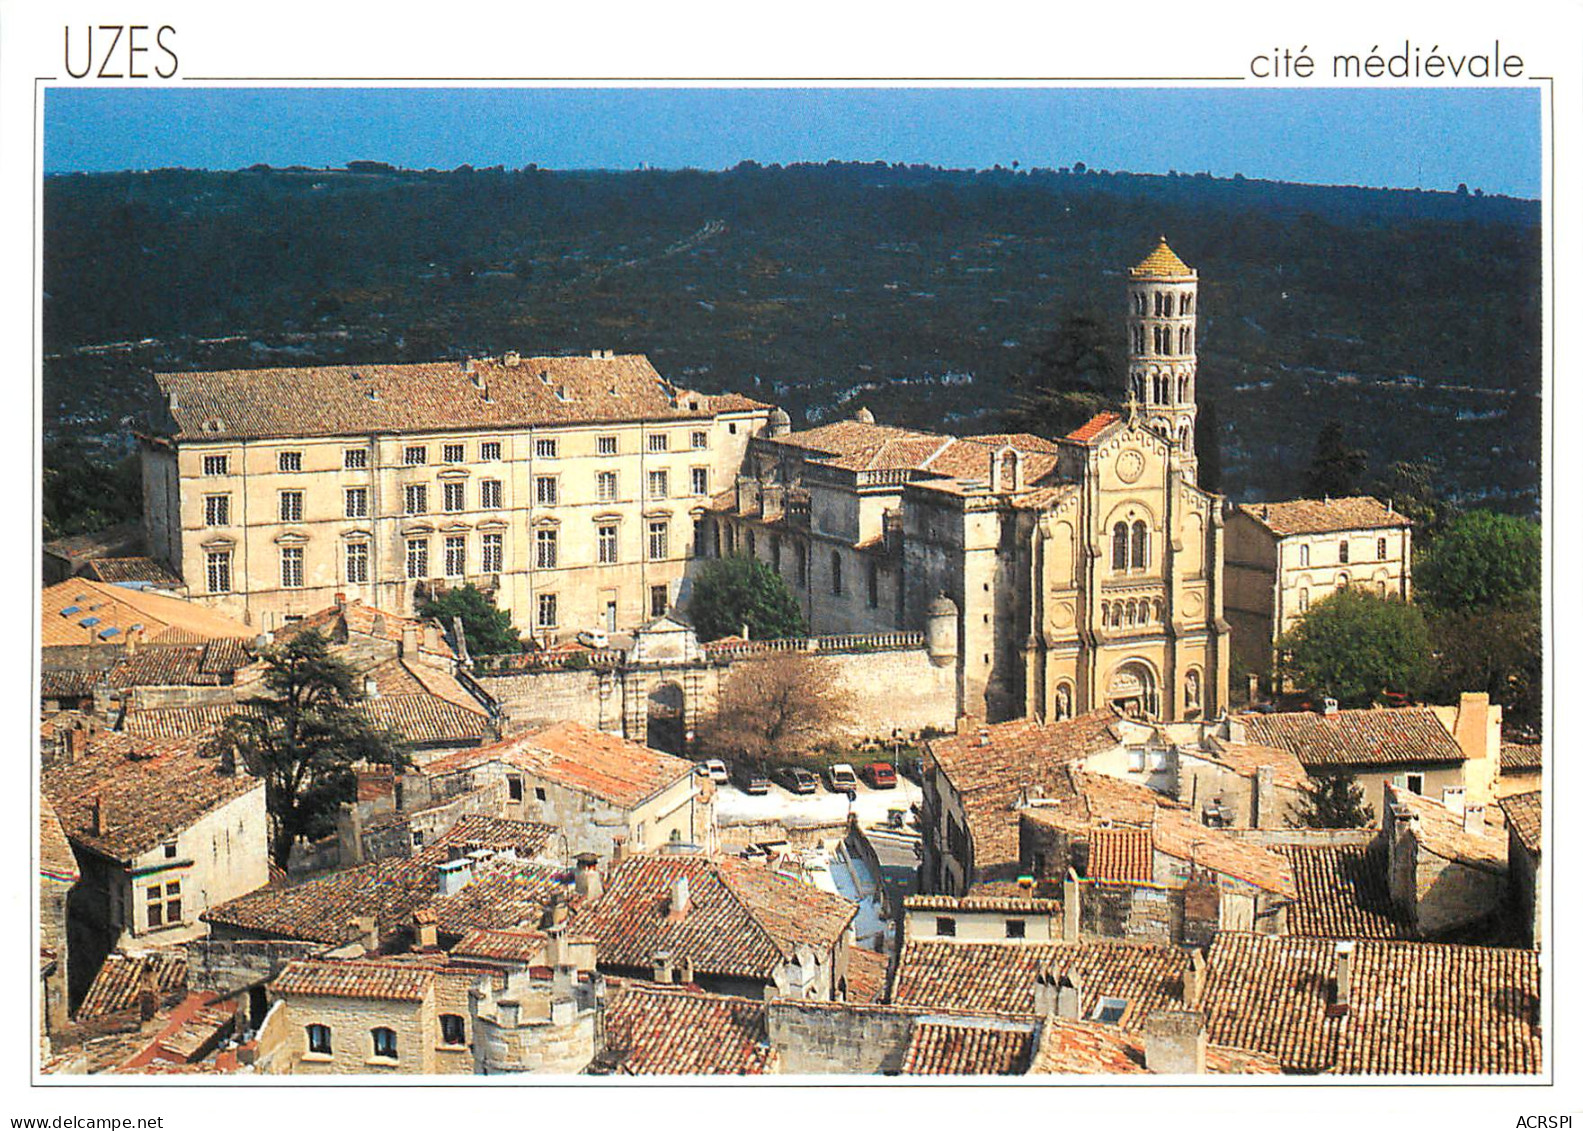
point(345, 400)
point(1416, 1007)
point(866, 974)
point(516, 945)
point(1121, 855)
point(999, 978)
point(122, 538)
point(650, 1030)
point(1161, 262)
point(502, 895)
point(120, 980)
point(180, 722)
point(742, 919)
point(323, 909)
point(1014, 904)
point(854, 445)
point(213, 664)
point(165, 619)
point(1084, 1048)
point(1525, 817)
point(1175, 833)
point(1342, 893)
point(1444, 833)
point(353, 618)
point(1516, 756)
point(58, 722)
point(188, 1035)
point(68, 683)
point(384, 981)
point(990, 768)
point(148, 790)
point(1245, 758)
point(1324, 516)
point(123, 571)
point(953, 1048)
point(55, 859)
point(580, 758)
point(1378, 736)
point(1091, 429)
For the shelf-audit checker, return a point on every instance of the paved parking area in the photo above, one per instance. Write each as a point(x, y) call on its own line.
point(872, 806)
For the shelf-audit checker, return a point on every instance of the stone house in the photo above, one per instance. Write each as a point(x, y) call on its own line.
point(1065, 575)
point(64, 558)
point(1446, 866)
point(566, 486)
point(57, 874)
point(596, 788)
point(1522, 767)
point(726, 925)
point(1524, 856)
point(162, 831)
point(1282, 558)
point(1239, 785)
point(1423, 750)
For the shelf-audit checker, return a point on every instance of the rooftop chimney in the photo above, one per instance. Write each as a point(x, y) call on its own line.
point(454, 875)
point(1044, 991)
point(431, 636)
point(589, 883)
point(340, 600)
point(512, 359)
point(1343, 1000)
point(618, 850)
point(147, 993)
point(1473, 818)
point(1193, 980)
point(684, 971)
point(1328, 707)
point(368, 932)
point(664, 973)
point(1174, 1042)
point(370, 687)
point(1069, 995)
point(965, 724)
point(1071, 908)
point(409, 639)
point(98, 817)
point(679, 898)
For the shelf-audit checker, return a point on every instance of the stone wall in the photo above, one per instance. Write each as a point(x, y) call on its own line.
point(813, 1038)
point(1133, 913)
point(530, 700)
point(405, 833)
point(224, 966)
point(351, 1022)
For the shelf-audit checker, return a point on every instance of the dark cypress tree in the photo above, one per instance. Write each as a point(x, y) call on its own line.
point(1206, 445)
point(1336, 470)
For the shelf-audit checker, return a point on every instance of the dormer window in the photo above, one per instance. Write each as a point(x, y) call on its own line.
point(1110, 1010)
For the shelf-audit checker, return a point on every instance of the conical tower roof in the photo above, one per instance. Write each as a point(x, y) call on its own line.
point(1162, 262)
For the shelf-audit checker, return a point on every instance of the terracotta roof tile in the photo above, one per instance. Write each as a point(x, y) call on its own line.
point(1516, 756)
point(165, 619)
point(516, 945)
point(1085, 1048)
point(68, 683)
point(123, 571)
point(328, 978)
point(212, 664)
point(120, 980)
point(122, 538)
point(1121, 855)
point(1416, 1007)
point(1245, 758)
point(650, 1030)
point(1324, 516)
point(1341, 893)
point(1525, 816)
point(353, 618)
point(344, 400)
point(866, 974)
point(180, 722)
point(956, 1048)
point(1378, 736)
point(1084, 433)
point(55, 858)
point(1177, 834)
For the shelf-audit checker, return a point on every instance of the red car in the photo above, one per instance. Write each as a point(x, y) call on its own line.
point(880, 775)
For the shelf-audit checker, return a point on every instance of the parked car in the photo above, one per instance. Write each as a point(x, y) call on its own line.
point(841, 778)
point(795, 779)
point(749, 778)
point(880, 775)
point(594, 638)
point(715, 770)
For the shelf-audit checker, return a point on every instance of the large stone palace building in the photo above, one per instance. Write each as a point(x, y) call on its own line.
point(1063, 575)
point(567, 486)
point(1056, 576)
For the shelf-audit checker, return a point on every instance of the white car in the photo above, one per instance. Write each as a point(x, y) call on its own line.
point(716, 771)
point(594, 638)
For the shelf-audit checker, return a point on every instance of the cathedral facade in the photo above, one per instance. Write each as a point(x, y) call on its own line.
point(1059, 575)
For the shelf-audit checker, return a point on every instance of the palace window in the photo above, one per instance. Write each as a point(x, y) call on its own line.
point(291, 506)
point(1302, 600)
point(319, 1040)
point(216, 510)
point(547, 610)
point(700, 482)
point(700, 440)
point(216, 465)
point(454, 453)
point(355, 459)
point(489, 494)
point(607, 486)
point(546, 449)
point(1345, 551)
point(489, 451)
point(415, 455)
point(1140, 545)
point(605, 445)
point(659, 484)
point(1302, 556)
point(357, 502)
point(659, 600)
point(454, 496)
point(546, 544)
point(1379, 549)
point(416, 498)
point(164, 904)
point(607, 543)
point(456, 555)
point(835, 572)
point(659, 442)
point(289, 461)
point(546, 490)
point(384, 1042)
point(417, 557)
point(494, 553)
point(291, 567)
point(218, 563)
point(453, 1031)
point(804, 554)
point(659, 540)
point(357, 563)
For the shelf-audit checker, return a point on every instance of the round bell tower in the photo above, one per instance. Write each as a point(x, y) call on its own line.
point(1162, 358)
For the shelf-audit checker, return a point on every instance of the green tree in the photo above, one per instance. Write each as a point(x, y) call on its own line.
point(1356, 646)
point(1410, 487)
point(736, 591)
point(1206, 445)
point(1498, 649)
point(1335, 471)
point(1482, 560)
point(1333, 801)
point(1074, 374)
point(81, 495)
point(489, 629)
point(303, 736)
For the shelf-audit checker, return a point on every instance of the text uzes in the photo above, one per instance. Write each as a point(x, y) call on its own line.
point(120, 51)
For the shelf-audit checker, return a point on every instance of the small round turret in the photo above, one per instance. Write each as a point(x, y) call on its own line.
point(863, 416)
point(779, 422)
point(940, 631)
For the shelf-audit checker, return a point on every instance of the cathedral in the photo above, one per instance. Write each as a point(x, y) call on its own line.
point(1056, 575)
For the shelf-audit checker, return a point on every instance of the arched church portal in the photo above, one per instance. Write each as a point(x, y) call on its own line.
point(1134, 691)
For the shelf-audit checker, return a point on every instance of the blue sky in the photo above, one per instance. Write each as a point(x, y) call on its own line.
point(1405, 138)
